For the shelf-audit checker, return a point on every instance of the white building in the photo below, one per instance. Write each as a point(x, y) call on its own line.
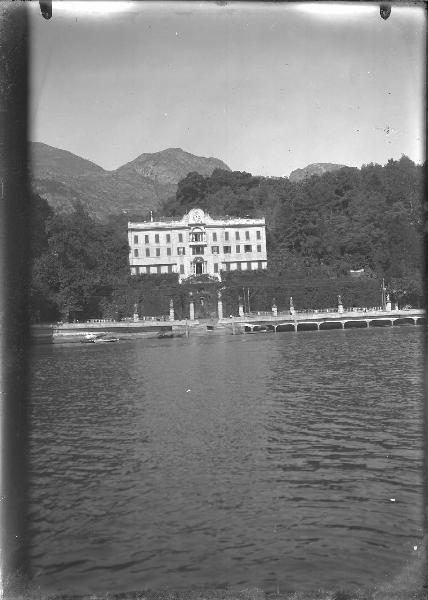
point(197, 244)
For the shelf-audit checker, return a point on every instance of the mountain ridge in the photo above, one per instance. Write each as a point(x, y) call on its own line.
point(138, 186)
point(313, 169)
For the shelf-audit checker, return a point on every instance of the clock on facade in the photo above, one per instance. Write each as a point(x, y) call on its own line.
point(196, 215)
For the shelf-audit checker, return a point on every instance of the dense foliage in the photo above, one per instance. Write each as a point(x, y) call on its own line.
point(318, 232)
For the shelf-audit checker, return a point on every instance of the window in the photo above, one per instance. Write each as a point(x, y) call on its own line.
point(247, 235)
point(146, 239)
point(226, 236)
point(182, 269)
point(215, 267)
point(168, 251)
point(238, 266)
point(197, 250)
point(168, 238)
point(236, 235)
point(214, 249)
point(227, 249)
point(158, 270)
point(136, 252)
point(259, 237)
point(135, 239)
point(181, 251)
point(157, 251)
point(137, 270)
point(180, 238)
point(156, 238)
point(238, 249)
point(214, 236)
point(259, 247)
point(147, 251)
point(227, 266)
point(247, 248)
point(197, 237)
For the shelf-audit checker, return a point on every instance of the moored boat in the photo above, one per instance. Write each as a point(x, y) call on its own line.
point(99, 338)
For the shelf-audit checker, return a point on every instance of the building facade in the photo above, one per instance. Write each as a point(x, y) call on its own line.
point(197, 244)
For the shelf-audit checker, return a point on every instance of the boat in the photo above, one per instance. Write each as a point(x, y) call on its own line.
point(256, 328)
point(169, 334)
point(99, 338)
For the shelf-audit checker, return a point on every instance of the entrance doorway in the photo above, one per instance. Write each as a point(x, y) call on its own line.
point(198, 266)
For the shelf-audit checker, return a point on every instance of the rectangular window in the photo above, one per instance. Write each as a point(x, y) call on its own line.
point(247, 248)
point(181, 251)
point(136, 252)
point(247, 235)
point(197, 237)
point(214, 249)
point(157, 251)
point(168, 238)
point(180, 238)
point(238, 249)
point(215, 267)
point(137, 270)
point(158, 269)
point(182, 269)
point(214, 236)
point(226, 236)
point(168, 251)
point(135, 239)
point(227, 266)
point(236, 235)
point(156, 238)
point(259, 237)
point(147, 251)
point(146, 239)
point(197, 250)
point(259, 247)
point(227, 249)
point(238, 266)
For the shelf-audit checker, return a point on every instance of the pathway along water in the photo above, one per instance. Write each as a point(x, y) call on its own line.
point(286, 462)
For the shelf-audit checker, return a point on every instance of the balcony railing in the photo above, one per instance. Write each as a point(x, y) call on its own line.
point(197, 238)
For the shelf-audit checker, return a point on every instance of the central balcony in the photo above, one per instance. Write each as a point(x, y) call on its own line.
point(198, 238)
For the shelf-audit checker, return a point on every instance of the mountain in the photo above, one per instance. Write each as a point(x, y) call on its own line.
point(48, 162)
point(136, 187)
point(170, 166)
point(313, 169)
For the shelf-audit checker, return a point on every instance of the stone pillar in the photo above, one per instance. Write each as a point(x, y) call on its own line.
point(136, 316)
point(241, 307)
point(274, 308)
point(219, 305)
point(339, 304)
point(191, 308)
point(171, 310)
point(388, 303)
point(292, 311)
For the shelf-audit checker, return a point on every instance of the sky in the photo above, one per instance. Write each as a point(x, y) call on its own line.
point(267, 88)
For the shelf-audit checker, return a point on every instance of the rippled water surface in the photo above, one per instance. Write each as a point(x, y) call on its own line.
point(264, 460)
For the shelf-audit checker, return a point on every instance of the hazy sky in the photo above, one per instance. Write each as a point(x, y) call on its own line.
point(265, 88)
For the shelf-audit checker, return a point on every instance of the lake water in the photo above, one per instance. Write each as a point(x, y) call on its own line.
point(265, 460)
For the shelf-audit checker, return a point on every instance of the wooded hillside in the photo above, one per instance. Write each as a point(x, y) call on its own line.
point(318, 231)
